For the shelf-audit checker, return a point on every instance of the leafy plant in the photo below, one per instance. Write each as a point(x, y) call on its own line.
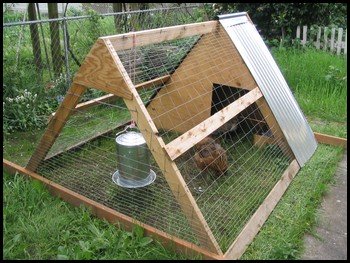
point(24, 111)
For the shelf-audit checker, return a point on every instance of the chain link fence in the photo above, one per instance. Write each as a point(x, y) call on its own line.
point(40, 57)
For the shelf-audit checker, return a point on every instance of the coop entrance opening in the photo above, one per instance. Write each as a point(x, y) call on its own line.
point(249, 120)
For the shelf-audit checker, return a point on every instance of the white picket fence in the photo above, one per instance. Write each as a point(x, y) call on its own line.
point(331, 44)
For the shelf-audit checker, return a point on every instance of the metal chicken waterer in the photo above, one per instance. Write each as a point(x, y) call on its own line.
point(133, 160)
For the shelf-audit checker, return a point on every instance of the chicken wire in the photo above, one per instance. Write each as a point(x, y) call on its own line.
point(228, 188)
point(44, 54)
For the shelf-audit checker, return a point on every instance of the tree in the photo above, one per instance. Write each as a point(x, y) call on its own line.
point(279, 19)
point(34, 34)
point(57, 60)
point(117, 7)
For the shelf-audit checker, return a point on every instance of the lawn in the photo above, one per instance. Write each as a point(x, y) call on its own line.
point(43, 227)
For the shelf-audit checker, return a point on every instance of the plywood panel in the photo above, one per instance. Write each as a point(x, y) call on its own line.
point(99, 71)
point(186, 99)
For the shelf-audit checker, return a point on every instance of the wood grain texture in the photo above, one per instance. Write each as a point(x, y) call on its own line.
point(98, 71)
point(187, 140)
point(331, 140)
point(112, 216)
point(253, 226)
point(55, 125)
point(153, 82)
point(170, 171)
point(185, 101)
point(153, 36)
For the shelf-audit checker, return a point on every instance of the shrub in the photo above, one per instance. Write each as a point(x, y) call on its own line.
point(25, 111)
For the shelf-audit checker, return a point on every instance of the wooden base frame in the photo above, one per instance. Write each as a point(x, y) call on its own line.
point(103, 69)
point(237, 248)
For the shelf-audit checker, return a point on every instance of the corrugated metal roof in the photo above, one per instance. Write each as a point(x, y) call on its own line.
point(272, 84)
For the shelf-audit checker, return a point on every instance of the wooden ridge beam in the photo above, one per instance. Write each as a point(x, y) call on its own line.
point(153, 36)
point(112, 216)
point(187, 140)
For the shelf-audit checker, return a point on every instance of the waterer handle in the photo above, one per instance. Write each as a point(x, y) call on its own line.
point(131, 126)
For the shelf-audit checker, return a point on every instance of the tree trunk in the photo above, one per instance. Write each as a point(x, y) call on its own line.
point(34, 34)
point(117, 7)
point(137, 20)
point(55, 39)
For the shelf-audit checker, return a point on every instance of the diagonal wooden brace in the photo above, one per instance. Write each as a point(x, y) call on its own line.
point(55, 125)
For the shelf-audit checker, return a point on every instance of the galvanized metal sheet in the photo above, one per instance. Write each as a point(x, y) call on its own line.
point(272, 84)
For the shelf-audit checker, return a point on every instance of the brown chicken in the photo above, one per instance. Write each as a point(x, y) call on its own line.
point(210, 155)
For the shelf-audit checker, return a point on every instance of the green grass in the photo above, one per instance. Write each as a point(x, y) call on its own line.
point(318, 81)
point(37, 225)
point(33, 229)
point(282, 234)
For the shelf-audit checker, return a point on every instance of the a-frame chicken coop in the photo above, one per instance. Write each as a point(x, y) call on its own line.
point(224, 133)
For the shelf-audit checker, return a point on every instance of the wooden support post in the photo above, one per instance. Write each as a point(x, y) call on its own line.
point(253, 226)
point(339, 42)
point(332, 39)
point(187, 140)
point(325, 43)
point(55, 125)
point(112, 216)
point(304, 35)
point(171, 173)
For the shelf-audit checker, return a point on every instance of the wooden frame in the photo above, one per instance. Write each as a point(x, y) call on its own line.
point(187, 140)
point(236, 249)
point(331, 140)
point(103, 69)
point(111, 215)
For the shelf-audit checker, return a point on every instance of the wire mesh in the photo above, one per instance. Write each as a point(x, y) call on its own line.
point(229, 173)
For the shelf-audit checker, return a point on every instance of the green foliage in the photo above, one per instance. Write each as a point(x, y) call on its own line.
point(39, 226)
point(282, 236)
point(93, 26)
point(317, 79)
point(24, 111)
point(274, 18)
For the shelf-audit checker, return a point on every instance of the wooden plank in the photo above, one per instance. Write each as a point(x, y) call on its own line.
point(255, 223)
point(98, 71)
point(187, 140)
point(186, 99)
point(55, 125)
point(170, 171)
point(332, 39)
point(274, 127)
point(331, 140)
point(153, 82)
point(112, 216)
point(153, 36)
point(318, 43)
point(95, 136)
point(112, 97)
point(325, 32)
point(304, 35)
point(339, 42)
point(346, 42)
point(298, 32)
